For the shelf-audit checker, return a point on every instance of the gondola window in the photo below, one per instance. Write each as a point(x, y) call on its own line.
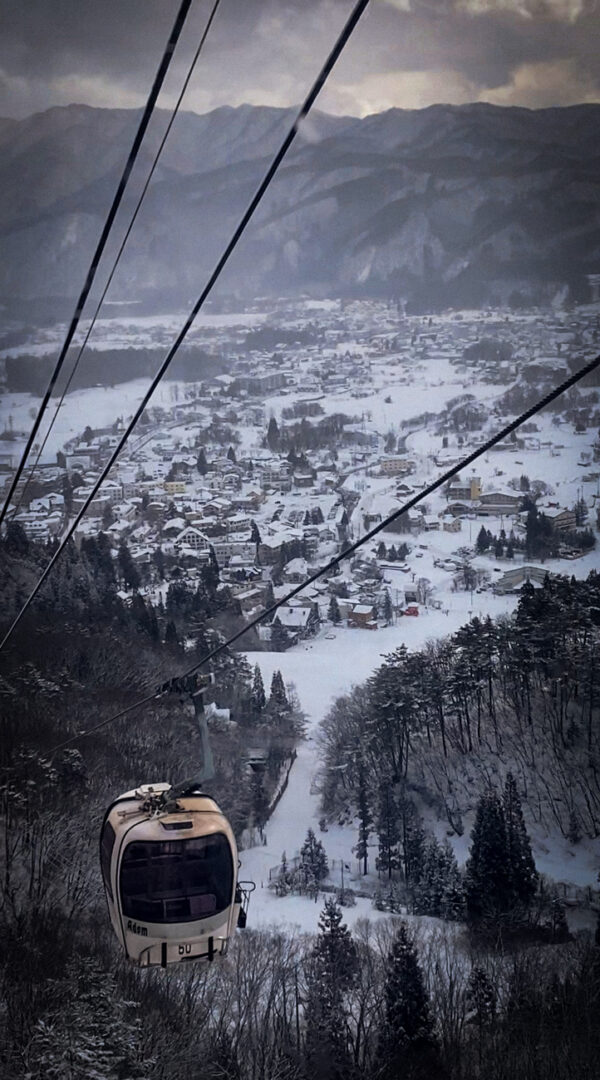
point(176, 880)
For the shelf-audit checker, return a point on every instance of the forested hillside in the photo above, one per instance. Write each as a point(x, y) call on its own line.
point(450, 721)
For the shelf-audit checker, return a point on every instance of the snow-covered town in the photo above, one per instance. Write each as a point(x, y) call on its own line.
point(272, 474)
point(329, 416)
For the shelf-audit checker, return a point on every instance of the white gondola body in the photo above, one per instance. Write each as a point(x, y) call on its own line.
point(170, 877)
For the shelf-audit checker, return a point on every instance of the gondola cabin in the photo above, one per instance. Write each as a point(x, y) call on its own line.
point(169, 863)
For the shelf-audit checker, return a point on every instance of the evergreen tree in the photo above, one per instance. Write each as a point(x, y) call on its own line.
point(15, 540)
point(105, 563)
point(129, 572)
point(333, 611)
point(313, 858)
point(452, 906)
point(388, 859)
point(557, 921)
point(158, 558)
point(364, 820)
point(231, 455)
point(273, 435)
point(278, 699)
point(481, 1005)
point(439, 890)
point(406, 1046)
point(145, 616)
point(413, 844)
point(258, 698)
point(255, 537)
point(280, 638)
point(381, 550)
point(269, 595)
point(483, 541)
point(201, 462)
point(172, 640)
point(388, 610)
point(108, 517)
point(520, 863)
point(332, 971)
point(487, 876)
point(210, 573)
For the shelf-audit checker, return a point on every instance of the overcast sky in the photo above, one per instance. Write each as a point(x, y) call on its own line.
point(405, 53)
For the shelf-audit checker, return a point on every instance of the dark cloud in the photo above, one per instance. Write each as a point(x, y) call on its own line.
point(404, 52)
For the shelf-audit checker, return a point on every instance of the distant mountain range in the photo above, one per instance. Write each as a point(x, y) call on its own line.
point(450, 205)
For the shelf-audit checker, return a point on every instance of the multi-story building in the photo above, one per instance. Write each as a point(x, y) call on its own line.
point(464, 489)
point(396, 466)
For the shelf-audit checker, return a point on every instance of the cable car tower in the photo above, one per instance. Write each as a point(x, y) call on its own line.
point(169, 864)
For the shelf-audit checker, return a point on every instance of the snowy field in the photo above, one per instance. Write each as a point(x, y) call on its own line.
point(134, 331)
point(425, 387)
point(98, 406)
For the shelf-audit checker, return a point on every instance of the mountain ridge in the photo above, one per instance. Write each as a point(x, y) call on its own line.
point(448, 205)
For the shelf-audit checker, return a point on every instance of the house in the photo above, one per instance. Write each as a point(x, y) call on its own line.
point(301, 620)
point(430, 523)
point(451, 524)
point(362, 616)
point(562, 520)
point(79, 460)
point(276, 474)
point(513, 580)
point(250, 598)
point(395, 466)
point(497, 503)
point(469, 490)
point(174, 526)
point(226, 550)
point(295, 571)
point(303, 479)
point(36, 528)
point(191, 537)
point(175, 487)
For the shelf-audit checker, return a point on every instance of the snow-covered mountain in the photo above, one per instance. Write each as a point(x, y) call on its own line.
point(446, 205)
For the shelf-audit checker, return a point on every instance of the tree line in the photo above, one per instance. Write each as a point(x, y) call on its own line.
point(109, 367)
